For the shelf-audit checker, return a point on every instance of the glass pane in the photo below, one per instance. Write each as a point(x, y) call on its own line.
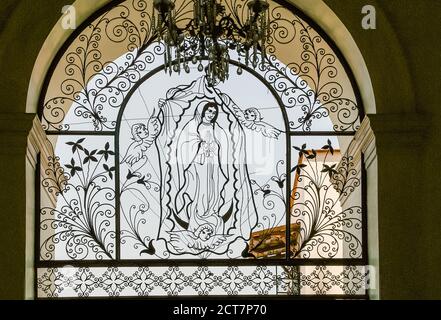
point(77, 217)
point(69, 282)
point(334, 280)
point(326, 198)
point(157, 281)
point(202, 170)
point(161, 167)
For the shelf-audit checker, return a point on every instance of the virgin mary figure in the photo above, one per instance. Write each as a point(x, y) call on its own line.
point(208, 193)
point(202, 158)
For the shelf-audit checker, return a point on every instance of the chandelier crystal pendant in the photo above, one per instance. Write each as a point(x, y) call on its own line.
point(211, 35)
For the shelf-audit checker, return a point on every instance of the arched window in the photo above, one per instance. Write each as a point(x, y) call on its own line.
point(161, 184)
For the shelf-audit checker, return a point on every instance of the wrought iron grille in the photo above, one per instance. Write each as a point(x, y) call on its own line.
point(164, 185)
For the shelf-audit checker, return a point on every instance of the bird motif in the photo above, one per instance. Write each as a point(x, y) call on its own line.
point(143, 137)
point(252, 119)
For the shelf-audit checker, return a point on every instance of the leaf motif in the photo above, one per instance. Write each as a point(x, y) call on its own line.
point(130, 175)
point(281, 183)
point(141, 181)
point(298, 168)
point(150, 250)
point(311, 156)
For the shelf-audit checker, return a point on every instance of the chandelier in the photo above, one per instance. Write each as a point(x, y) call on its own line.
point(210, 35)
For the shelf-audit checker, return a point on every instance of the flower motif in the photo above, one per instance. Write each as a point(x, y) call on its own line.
point(203, 281)
point(109, 170)
point(262, 280)
point(143, 281)
point(51, 282)
point(114, 281)
point(330, 170)
point(76, 145)
point(233, 281)
point(73, 168)
point(106, 152)
point(352, 280)
point(329, 147)
point(84, 282)
point(90, 156)
point(173, 281)
point(320, 280)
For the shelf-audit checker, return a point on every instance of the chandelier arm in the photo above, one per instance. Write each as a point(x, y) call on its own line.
point(212, 33)
point(234, 26)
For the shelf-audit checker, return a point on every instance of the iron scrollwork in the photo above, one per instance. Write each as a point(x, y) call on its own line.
point(93, 86)
point(145, 281)
point(201, 281)
point(327, 227)
point(315, 202)
point(84, 209)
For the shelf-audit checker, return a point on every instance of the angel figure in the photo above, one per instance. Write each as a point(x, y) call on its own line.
point(202, 239)
point(252, 119)
point(143, 137)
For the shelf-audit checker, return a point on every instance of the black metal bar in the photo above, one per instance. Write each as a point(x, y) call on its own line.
point(117, 200)
point(80, 133)
point(37, 221)
point(223, 297)
point(298, 279)
point(192, 262)
point(321, 133)
point(364, 218)
point(288, 196)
